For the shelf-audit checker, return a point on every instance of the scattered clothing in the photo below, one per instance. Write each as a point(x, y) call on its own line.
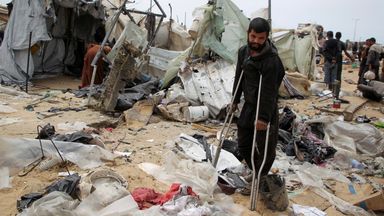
point(146, 197)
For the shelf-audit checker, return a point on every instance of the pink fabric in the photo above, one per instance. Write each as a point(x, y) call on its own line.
point(146, 197)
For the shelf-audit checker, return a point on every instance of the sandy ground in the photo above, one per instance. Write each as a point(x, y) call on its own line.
point(141, 144)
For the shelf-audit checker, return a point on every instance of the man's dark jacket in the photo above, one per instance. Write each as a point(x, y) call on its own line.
point(270, 66)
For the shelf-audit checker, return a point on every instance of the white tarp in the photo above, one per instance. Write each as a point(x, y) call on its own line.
point(297, 48)
point(16, 153)
point(352, 139)
point(211, 85)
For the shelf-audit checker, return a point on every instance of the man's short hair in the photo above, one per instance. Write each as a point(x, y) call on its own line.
point(338, 35)
point(330, 34)
point(372, 39)
point(259, 25)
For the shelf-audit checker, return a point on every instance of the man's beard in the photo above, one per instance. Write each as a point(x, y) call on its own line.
point(255, 46)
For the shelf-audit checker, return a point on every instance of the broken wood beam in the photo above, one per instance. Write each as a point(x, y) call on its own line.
point(351, 109)
point(123, 69)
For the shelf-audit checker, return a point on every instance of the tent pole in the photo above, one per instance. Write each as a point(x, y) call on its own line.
point(270, 17)
point(29, 54)
point(101, 51)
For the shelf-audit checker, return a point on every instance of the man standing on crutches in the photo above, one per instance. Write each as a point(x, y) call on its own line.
point(258, 68)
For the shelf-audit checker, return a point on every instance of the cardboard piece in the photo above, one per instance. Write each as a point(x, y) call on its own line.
point(138, 116)
point(310, 198)
point(374, 202)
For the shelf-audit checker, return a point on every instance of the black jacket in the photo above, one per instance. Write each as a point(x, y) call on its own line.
point(270, 66)
point(330, 49)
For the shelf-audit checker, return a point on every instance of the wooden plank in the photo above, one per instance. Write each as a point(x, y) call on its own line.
point(351, 109)
point(204, 128)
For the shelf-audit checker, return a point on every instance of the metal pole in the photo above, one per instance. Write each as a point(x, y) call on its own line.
point(354, 29)
point(254, 190)
point(230, 113)
point(270, 17)
point(29, 54)
point(254, 145)
point(99, 52)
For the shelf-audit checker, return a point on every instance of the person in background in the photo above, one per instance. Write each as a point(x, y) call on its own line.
point(258, 57)
point(355, 46)
point(382, 66)
point(339, 58)
point(330, 52)
point(373, 58)
point(92, 50)
point(363, 61)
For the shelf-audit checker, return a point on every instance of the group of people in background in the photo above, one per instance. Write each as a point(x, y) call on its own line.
point(332, 51)
point(369, 57)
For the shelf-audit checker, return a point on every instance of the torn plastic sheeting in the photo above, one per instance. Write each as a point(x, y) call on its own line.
point(367, 139)
point(122, 206)
point(160, 58)
point(345, 136)
point(202, 177)
point(13, 92)
point(307, 210)
point(185, 205)
point(55, 203)
point(311, 175)
point(174, 67)
point(226, 21)
point(222, 206)
point(17, 153)
point(105, 194)
point(195, 150)
point(6, 109)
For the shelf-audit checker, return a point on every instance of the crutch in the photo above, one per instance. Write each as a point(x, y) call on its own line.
point(255, 188)
point(226, 123)
point(254, 146)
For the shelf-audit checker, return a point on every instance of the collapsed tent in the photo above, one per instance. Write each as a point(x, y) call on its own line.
point(207, 69)
point(57, 31)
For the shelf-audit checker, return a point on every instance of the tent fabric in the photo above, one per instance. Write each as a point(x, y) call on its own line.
point(49, 33)
point(225, 21)
point(297, 49)
point(24, 19)
point(285, 44)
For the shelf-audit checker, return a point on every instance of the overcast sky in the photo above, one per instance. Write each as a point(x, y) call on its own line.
point(335, 15)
